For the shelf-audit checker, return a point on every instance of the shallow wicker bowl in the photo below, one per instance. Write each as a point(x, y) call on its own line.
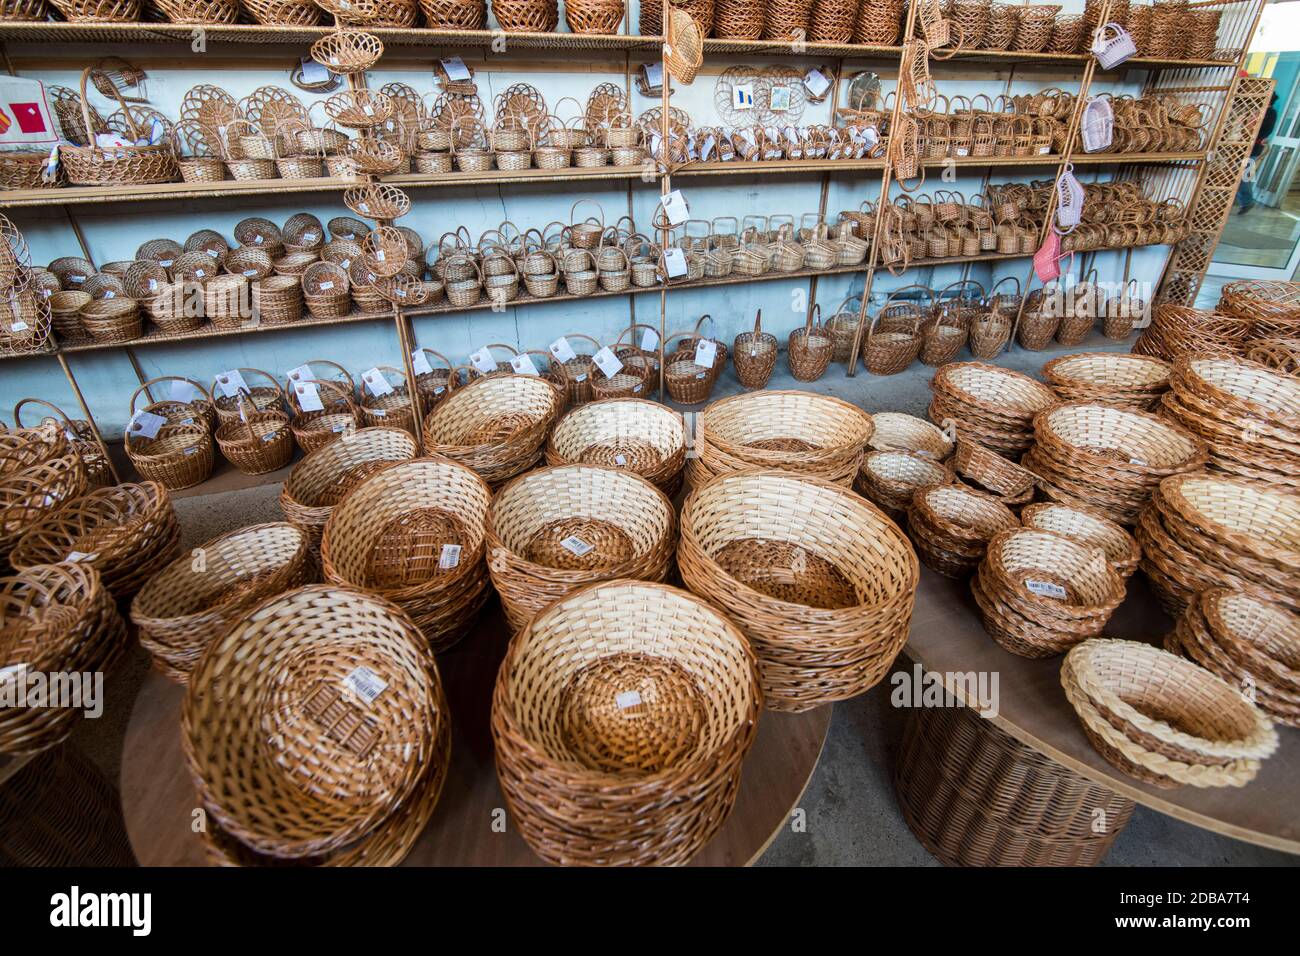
point(640, 436)
point(312, 720)
point(895, 431)
point(1086, 526)
point(624, 750)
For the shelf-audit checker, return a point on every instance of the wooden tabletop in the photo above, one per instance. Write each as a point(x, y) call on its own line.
point(947, 637)
point(159, 801)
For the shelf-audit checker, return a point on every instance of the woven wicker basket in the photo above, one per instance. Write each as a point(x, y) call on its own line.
point(376, 760)
point(413, 532)
point(118, 165)
point(951, 526)
point(820, 581)
point(809, 349)
point(895, 431)
point(627, 750)
point(1089, 527)
point(1135, 381)
point(993, 406)
point(754, 354)
point(195, 599)
point(889, 479)
point(40, 471)
point(555, 530)
point(643, 437)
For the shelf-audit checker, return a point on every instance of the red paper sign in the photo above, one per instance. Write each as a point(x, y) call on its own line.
point(29, 117)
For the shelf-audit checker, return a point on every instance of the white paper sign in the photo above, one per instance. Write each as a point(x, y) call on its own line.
point(483, 361)
point(675, 208)
point(308, 397)
point(183, 392)
point(607, 362)
point(816, 83)
point(313, 72)
point(649, 340)
point(674, 263)
point(376, 384)
point(562, 350)
point(147, 424)
point(231, 383)
point(420, 363)
point(629, 698)
point(300, 373)
point(450, 556)
point(654, 75)
point(742, 96)
point(365, 683)
point(706, 353)
point(779, 99)
point(523, 364)
point(455, 69)
point(576, 545)
point(75, 556)
point(1046, 589)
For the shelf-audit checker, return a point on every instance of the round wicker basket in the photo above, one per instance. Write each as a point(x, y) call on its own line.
point(643, 437)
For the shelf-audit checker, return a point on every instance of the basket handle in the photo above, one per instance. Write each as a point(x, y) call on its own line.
point(204, 394)
point(758, 323)
point(578, 335)
point(40, 401)
point(631, 329)
point(343, 373)
point(574, 208)
point(713, 326)
point(994, 288)
point(85, 103)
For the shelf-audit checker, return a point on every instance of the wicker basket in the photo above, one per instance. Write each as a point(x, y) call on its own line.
point(951, 526)
point(855, 568)
point(895, 431)
point(413, 532)
point(376, 759)
point(640, 436)
point(555, 530)
point(386, 400)
point(1162, 719)
point(228, 398)
point(258, 442)
point(29, 491)
point(112, 321)
point(890, 478)
point(126, 533)
point(991, 472)
point(990, 405)
point(84, 438)
point(1089, 527)
point(1111, 378)
point(56, 618)
point(754, 354)
point(337, 417)
point(889, 350)
point(581, 788)
point(809, 349)
point(195, 599)
point(975, 796)
point(179, 456)
point(117, 165)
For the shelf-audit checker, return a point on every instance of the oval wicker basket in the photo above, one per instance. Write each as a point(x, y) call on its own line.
point(991, 405)
point(1089, 527)
point(626, 750)
point(643, 437)
point(951, 526)
point(127, 533)
point(412, 532)
point(557, 529)
point(179, 456)
point(821, 582)
point(991, 472)
point(29, 493)
point(312, 725)
point(55, 618)
point(195, 599)
point(1109, 377)
point(890, 478)
point(1162, 719)
point(895, 431)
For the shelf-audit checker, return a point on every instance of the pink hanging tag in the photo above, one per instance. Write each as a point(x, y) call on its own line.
point(1047, 260)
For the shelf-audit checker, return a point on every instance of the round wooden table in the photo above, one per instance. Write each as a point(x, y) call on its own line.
point(159, 800)
point(947, 638)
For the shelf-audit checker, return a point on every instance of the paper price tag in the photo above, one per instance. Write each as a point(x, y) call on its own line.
point(376, 384)
point(676, 208)
point(523, 364)
point(420, 363)
point(365, 683)
point(313, 72)
point(192, 450)
point(76, 279)
point(779, 99)
point(483, 361)
point(607, 362)
point(300, 373)
point(449, 557)
point(620, 460)
point(742, 96)
point(649, 340)
point(706, 353)
point(816, 82)
point(576, 545)
point(1046, 589)
point(654, 75)
point(231, 383)
point(146, 424)
point(19, 327)
point(674, 263)
point(308, 397)
point(562, 350)
point(627, 699)
point(455, 69)
point(378, 412)
point(183, 392)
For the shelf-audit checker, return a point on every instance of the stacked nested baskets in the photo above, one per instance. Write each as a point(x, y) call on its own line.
point(643, 437)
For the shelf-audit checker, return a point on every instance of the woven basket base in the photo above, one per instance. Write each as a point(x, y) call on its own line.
point(787, 572)
point(633, 454)
point(408, 549)
point(593, 544)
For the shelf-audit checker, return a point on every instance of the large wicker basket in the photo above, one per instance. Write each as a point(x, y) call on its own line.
point(625, 750)
point(991, 405)
point(643, 437)
point(821, 582)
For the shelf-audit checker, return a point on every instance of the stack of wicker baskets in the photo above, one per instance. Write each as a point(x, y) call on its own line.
point(317, 733)
point(1163, 719)
point(1040, 593)
point(1111, 378)
point(40, 471)
point(643, 437)
point(1109, 457)
point(992, 406)
point(413, 533)
point(127, 533)
point(1248, 415)
point(799, 432)
point(890, 478)
point(195, 599)
point(1177, 330)
point(895, 431)
point(56, 618)
point(1247, 640)
point(620, 717)
point(1204, 531)
point(555, 530)
point(1088, 527)
point(951, 526)
point(820, 581)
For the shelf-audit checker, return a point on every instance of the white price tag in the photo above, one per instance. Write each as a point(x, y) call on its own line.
point(1046, 589)
point(649, 340)
point(326, 285)
point(376, 384)
point(629, 698)
point(183, 392)
point(620, 460)
point(231, 383)
point(562, 350)
point(365, 683)
point(450, 556)
point(192, 450)
point(816, 82)
point(654, 75)
point(676, 208)
point(607, 362)
point(742, 96)
point(146, 424)
point(706, 353)
point(455, 69)
point(313, 72)
point(483, 361)
point(523, 364)
point(19, 327)
point(420, 363)
point(300, 373)
point(674, 263)
point(308, 397)
point(258, 239)
point(576, 545)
